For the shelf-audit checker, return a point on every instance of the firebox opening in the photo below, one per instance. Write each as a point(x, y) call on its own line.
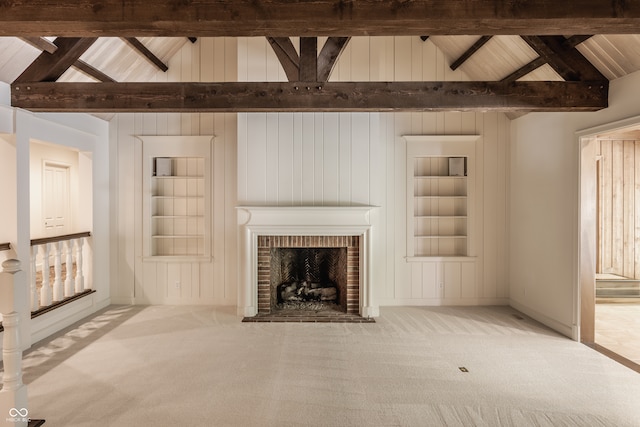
point(309, 279)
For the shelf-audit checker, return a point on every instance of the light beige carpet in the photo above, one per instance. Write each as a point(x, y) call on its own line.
point(199, 366)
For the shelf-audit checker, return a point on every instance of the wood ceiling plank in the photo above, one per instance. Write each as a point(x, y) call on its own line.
point(145, 52)
point(50, 66)
point(303, 97)
point(469, 52)
point(234, 18)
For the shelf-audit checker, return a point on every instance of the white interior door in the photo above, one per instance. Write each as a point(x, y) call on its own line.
point(55, 199)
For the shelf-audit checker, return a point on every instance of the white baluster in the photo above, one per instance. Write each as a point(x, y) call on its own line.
point(58, 292)
point(79, 274)
point(35, 303)
point(68, 281)
point(13, 396)
point(45, 290)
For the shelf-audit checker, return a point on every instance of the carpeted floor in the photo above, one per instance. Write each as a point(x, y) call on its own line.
point(200, 366)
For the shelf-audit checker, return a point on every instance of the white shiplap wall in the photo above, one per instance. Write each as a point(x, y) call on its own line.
point(201, 282)
point(310, 159)
point(360, 158)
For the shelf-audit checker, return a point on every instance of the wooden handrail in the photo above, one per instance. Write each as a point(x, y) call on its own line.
point(5, 246)
point(36, 242)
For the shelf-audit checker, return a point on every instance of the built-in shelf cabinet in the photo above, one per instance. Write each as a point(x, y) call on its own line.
point(440, 195)
point(440, 209)
point(177, 209)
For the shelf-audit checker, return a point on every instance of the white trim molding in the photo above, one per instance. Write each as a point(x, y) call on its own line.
point(257, 221)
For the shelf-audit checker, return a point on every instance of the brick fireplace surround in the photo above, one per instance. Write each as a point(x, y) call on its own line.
point(266, 243)
point(263, 228)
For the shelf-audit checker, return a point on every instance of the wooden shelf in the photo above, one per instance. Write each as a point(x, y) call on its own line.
point(177, 236)
point(439, 208)
point(178, 177)
point(440, 197)
point(440, 216)
point(176, 216)
point(178, 197)
point(439, 177)
point(440, 236)
point(178, 206)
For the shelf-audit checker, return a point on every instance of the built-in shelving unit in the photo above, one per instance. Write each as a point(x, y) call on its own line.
point(177, 208)
point(440, 209)
point(440, 195)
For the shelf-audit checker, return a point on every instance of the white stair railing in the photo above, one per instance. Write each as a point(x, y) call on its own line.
point(13, 396)
point(35, 301)
point(45, 289)
point(69, 288)
point(79, 271)
point(65, 250)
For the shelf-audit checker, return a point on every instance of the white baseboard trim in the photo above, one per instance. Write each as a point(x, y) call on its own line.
point(395, 302)
point(49, 323)
point(566, 330)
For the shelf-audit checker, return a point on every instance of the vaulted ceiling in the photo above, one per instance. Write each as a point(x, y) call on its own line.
point(561, 59)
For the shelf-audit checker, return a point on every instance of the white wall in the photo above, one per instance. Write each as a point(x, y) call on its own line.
point(79, 133)
point(8, 217)
point(543, 273)
point(39, 154)
point(360, 158)
point(143, 282)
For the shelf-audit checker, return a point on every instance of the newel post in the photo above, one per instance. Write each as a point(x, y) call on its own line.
point(13, 396)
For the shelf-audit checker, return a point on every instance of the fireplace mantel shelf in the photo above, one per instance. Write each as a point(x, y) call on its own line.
point(308, 219)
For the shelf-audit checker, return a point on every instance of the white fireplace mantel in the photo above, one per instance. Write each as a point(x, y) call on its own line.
point(257, 221)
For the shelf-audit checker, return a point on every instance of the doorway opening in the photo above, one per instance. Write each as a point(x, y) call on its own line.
point(610, 241)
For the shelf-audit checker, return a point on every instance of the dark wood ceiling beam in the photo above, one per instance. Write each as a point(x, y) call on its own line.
point(92, 71)
point(329, 55)
point(567, 61)
point(233, 18)
point(469, 52)
point(524, 70)
point(41, 43)
point(569, 43)
point(574, 41)
point(287, 55)
point(300, 96)
point(50, 66)
point(50, 47)
point(145, 52)
point(308, 59)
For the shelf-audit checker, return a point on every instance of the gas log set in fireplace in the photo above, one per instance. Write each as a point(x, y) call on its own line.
point(308, 278)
